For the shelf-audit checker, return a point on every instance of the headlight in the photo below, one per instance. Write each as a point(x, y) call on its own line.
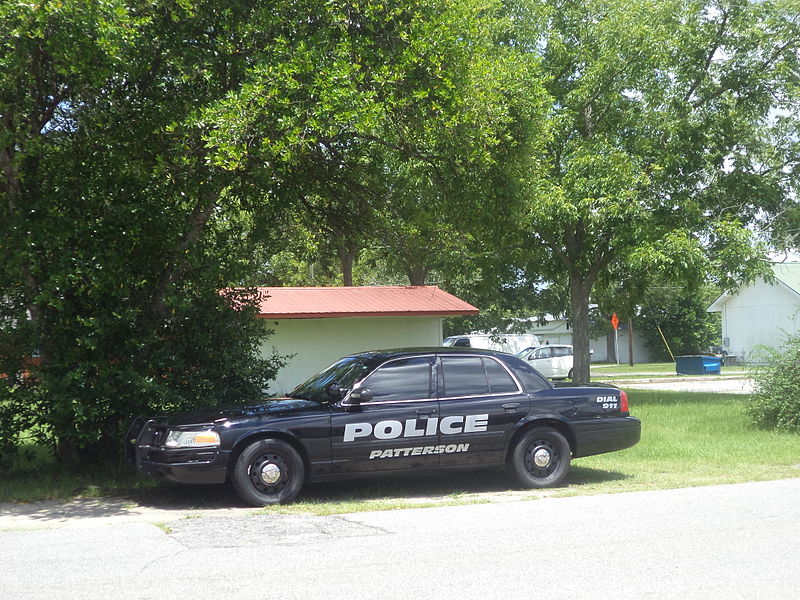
point(192, 439)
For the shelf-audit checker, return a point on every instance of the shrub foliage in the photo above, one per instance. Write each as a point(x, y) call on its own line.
point(776, 401)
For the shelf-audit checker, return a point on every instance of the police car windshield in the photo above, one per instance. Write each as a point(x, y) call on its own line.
point(345, 372)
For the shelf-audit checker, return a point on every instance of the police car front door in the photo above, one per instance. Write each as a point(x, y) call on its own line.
point(397, 428)
point(479, 404)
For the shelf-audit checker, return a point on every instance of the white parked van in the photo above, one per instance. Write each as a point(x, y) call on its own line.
point(502, 342)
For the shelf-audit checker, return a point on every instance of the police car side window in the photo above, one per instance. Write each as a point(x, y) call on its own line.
point(500, 381)
point(464, 376)
point(406, 379)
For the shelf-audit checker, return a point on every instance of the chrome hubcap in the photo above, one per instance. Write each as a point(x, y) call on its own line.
point(541, 458)
point(270, 473)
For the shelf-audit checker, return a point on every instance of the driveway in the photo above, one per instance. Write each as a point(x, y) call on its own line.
point(719, 385)
point(734, 541)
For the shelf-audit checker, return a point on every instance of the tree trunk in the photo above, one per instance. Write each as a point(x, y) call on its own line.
point(346, 257)
point(630, 341)
point(197, 222)
point(66, 451)
point(63, 448)
point(174, 268)
point(579, 290)
point(611, 348)
point(417, 275)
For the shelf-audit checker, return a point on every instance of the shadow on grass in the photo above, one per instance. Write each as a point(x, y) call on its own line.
point(418, 487)
point(88, 497)
point(168, 495)
point(584, 475)
point(392, 486)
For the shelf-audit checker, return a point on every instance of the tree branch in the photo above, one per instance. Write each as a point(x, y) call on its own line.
point(556, 248)
point(713, 50)
point(177, 265)
point(766, 64)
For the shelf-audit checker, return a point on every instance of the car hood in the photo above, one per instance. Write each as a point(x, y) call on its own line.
point(270, 407)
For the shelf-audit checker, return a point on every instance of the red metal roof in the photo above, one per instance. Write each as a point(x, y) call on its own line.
point(371, 301)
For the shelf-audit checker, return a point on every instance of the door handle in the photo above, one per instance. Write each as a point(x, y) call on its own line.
point(426, 411)
point(511, 405)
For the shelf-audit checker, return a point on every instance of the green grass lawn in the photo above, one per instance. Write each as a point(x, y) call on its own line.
point(688, 439)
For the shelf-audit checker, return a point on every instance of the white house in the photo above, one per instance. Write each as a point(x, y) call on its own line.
point(317, 325)
point(761, 313)
point(552, 330)
point(558, 331)
point(641, 352)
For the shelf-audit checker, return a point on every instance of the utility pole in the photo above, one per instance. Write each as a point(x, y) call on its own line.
point(615, 325)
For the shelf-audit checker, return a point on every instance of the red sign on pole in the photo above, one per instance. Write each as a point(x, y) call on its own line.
point(614, 321)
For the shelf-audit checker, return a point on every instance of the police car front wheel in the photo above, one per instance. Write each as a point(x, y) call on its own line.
point(540, 458)
point(268, 471)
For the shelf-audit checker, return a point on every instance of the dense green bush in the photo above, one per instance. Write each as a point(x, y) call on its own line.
point(105, 369)
point(775, 403)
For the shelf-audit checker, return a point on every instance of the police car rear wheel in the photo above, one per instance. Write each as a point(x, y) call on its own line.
point(540, 458)
point(268, 472)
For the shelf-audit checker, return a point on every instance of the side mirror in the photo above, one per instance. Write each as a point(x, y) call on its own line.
point(334, 389)
point(360, 395)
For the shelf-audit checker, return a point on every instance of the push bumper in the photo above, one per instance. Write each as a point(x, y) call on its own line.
point(144, 451)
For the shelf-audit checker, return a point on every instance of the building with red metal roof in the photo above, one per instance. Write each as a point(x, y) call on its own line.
point(367, 301)
point(317, 325)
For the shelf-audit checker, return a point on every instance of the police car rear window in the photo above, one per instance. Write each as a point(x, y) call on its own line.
point(500, 381)
point(530, 379)
point(475, 376)
point(464, 376)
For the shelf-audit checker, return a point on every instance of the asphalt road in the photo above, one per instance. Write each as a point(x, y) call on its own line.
point(735, 541)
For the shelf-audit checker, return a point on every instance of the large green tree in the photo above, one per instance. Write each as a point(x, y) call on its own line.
point(412, 192)
point(660, 110)
point(118, 228)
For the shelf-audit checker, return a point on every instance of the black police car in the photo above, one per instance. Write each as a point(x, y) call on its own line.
point(386, 411)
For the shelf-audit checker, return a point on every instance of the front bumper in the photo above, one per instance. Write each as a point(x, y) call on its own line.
point(144, 450)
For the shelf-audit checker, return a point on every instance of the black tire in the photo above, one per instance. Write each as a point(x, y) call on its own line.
point(552, 451)
point(268, 472)
point(569, 375)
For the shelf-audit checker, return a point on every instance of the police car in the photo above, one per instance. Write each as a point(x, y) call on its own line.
point(390, 410)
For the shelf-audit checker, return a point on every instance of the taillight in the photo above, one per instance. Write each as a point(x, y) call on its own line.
point(623, 401)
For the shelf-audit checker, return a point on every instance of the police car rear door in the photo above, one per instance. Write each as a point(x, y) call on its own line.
point(396, 427)
point(479, 403)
